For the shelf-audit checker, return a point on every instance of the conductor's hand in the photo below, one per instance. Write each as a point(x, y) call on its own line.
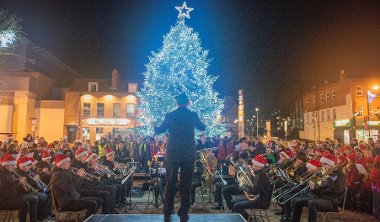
point(312, 185)
point(81, 172)
point(244, 187)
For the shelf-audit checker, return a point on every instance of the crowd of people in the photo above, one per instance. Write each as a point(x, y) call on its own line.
point(84, 176)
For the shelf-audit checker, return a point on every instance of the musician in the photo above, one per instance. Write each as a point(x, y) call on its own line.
point(24, 164)
point(209, 177)
point(122, 190)
point(261, 189)
point(181, 153)
point(89, 188)
point(64, 187)
point(10, 196)
point(325, 197)
point(352, 181)
point(375, 182)
point(197, 180)
point(312, 166)
point(44, 167)
point(220, 189)
point(365, 196)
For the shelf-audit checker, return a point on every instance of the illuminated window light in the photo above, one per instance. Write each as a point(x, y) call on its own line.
point(108, 97)
point(87, 97)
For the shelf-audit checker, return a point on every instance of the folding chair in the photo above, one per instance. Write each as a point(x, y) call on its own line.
point(76, 216)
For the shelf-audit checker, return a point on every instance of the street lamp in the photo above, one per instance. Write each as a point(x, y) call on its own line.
point(257, 122)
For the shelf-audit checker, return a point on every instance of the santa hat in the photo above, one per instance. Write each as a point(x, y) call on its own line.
point(34, 160)
point(329, 159)
point(259, 161)
point(46, 155)
point(8, 160)
point(287, 154)
point(343, 158)
point(109, 151)
point(24, 161)
point(318, 150)
point(377, 159)
point(80, 152)
point(326, 153)
point(313, 164)
point(91, 156)
point(352, 157)
point(16, 155)
point(59, 159)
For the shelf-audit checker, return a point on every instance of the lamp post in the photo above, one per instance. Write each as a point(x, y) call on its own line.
point(257, 122)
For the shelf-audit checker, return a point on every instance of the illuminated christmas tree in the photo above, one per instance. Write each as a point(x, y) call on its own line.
point(179, 66)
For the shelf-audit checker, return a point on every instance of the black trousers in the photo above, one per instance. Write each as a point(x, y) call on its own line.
point(197, 182)
point(186, 176)
point(43, 203)
point(319, 204)
point(82, 204)
point(25, 204)
point(112, 190)
point(122, 190)
point(298, 203)
point(219, 190)
point(104, 195)
point(242, 203)
point(228, 191)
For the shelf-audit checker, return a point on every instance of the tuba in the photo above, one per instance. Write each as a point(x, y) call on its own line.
point(205, 163)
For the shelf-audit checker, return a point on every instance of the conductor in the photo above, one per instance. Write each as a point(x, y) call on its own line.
point(180, 154)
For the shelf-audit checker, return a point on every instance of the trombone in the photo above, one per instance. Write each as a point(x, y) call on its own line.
point(221, 178)
point(40, 184)
point(87, 176)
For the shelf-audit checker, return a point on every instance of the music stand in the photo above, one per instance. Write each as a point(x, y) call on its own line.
point(132, 165)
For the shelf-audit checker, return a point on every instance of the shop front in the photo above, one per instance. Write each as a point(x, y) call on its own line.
point(342, 130)
point(95, 128)
point(364, 131)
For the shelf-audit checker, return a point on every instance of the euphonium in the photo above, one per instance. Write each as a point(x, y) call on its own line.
point(40, 184)
point(243, 178)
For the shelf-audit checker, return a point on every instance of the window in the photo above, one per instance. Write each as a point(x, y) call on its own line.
point(132, 87)
point(322, 97)
point(130, 109)
point(370, 109)
point(328, 115)
point(327, 96)
point(333, 95)
point(99, 133)
point(307, 118)
point(93, 86)
point(314, 100)
point(307, 101)
point(86, 109)
point(100, 109)
point(323, 116)
point(116, 110)
point(85, 133)
point(359, 111)
point(334, 114)
point(359, 91)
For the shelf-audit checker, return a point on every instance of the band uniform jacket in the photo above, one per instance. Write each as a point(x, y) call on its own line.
point(181, 124)
point(332, 188)
point(262, 189)
point(9, 185)
point(85, 185)
point(64, 186)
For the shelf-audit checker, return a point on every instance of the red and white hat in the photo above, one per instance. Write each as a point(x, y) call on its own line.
point(34, 160)
point(46, 155)
point(24, 161)
point(59, 159)
point(91, 156)
point(16, 155)
point(109, 151)
point(80, 152)
point(329, 159)
point(7, 160)
point(259, 160)
point(313, 164)
point(29, 155)
point(352, 157)
point(287, 154)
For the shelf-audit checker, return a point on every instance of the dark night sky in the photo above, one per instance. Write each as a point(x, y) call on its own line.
point(272, 49)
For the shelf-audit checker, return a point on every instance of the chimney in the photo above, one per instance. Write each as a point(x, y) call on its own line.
point(115, 80)
point(342, 75)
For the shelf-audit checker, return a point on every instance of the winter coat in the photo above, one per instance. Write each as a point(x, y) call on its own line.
point(9, 185)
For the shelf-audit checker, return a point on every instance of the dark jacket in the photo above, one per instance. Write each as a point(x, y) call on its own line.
point(9, 185)
point(259, 149)
point(181, 124)
point(85, 185)
point(332, 188)
point(262, 188)
point(64, 186)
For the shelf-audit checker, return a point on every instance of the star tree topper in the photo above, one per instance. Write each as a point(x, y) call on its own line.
point(184, 11)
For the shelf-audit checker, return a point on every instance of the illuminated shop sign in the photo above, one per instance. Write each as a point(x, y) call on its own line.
point(106, 121)
point(374, 123)
point(342, 122)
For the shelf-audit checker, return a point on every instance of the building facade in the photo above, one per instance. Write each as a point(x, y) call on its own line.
point(96, 108)
point(342, 110)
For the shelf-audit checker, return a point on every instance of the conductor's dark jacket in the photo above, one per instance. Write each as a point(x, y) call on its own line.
point(181, 124)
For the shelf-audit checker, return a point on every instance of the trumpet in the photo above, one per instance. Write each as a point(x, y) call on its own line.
point(25, 185)
point(105, 170)
point(87, 176)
